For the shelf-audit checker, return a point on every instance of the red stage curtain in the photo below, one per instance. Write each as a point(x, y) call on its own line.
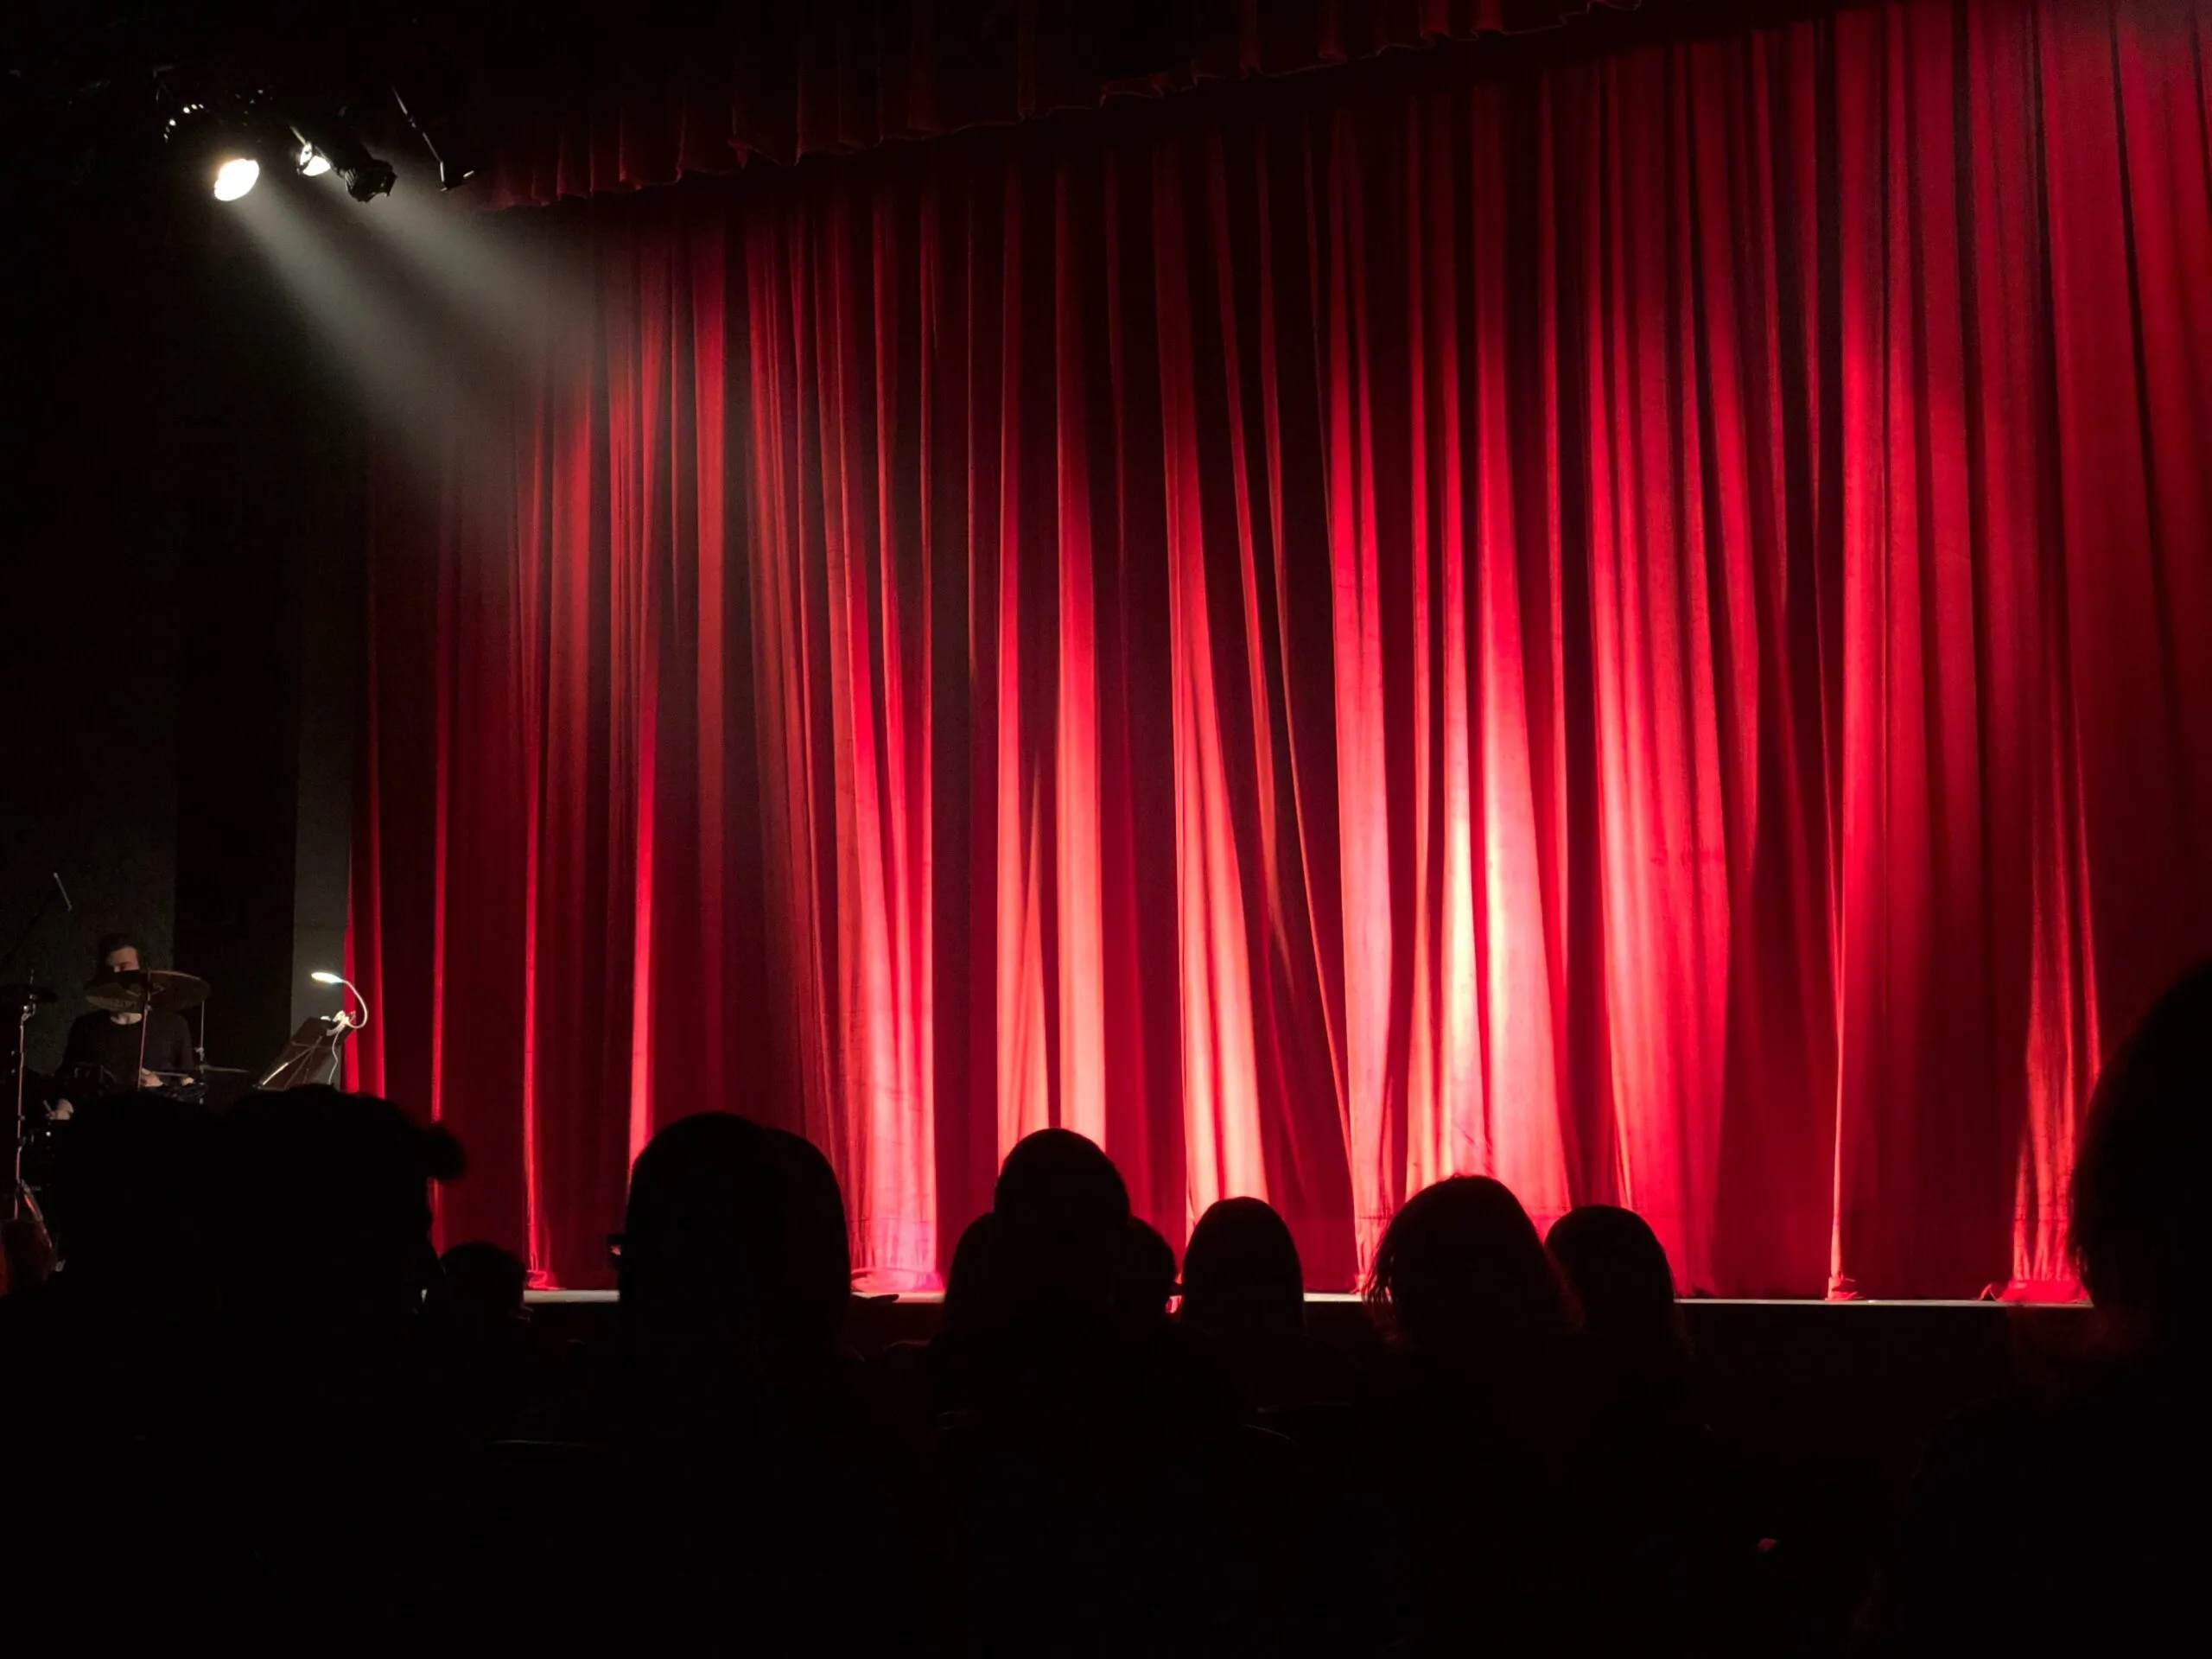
point(1640, 627)
point(638, 100)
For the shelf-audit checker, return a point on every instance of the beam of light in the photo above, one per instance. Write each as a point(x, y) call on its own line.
point(235, 177)
point(500, 274)
point(406, 379)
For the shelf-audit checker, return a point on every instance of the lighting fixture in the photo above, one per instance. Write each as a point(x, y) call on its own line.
point(353, 1020)
point(369, 179)
point(235, 177)
point(328, 144)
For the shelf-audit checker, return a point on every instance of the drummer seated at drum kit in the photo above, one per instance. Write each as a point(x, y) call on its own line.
point(107, 1050)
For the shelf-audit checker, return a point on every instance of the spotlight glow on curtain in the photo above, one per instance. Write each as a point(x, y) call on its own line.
point(1638, 628)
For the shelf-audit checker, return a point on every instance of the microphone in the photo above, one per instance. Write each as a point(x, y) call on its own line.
point(63, 891)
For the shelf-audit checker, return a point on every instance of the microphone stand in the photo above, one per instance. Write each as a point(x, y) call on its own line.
point(19, 1198)
point(19, 1195)
point(36, 922)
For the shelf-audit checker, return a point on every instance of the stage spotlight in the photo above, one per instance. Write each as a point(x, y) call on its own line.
point(328, 145)
point(369, 179)
point(217, 141)
point(235, 177)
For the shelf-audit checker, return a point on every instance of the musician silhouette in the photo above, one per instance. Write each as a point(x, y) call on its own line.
point(107, 1053)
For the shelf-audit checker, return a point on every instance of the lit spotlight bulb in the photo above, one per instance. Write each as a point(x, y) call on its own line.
point(313, 162)
point(323, 978)
point(235, 177)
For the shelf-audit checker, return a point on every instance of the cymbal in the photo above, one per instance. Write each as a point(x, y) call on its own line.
point(156, 989)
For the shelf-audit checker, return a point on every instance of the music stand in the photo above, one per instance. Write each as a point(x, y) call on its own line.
point(310, 1057)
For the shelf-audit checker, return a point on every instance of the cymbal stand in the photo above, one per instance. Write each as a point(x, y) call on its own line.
point(145, 1019)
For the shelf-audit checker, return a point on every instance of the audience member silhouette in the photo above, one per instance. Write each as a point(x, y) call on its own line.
point(1148, 1281)
point(818, 1384)
point(327, 1217)
point(810, 1295)
point(923, 1380)
point(129, 1208)
point(254, 1380)
point(112, 1337)
point(2070, 1519)
point(1244, 1289)
point(480, 1286)
point(1066, 1263)
point(1242, 1281)
point(1063, 1215)
point(971, 1293)
point(1484, 1499)
point(1045, 1340)
point(699, 1233)
point(1245, 1295)
point(107, 1377)
point(1084, 1485)
point(338, 1432)
point(754, 1457)
point(1461, 1274)
point(1617, 1269)
point(2141, 1228)
point(477, 1321)
point(1679, 1529)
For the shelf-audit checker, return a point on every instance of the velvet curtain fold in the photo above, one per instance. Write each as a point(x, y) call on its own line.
point(1635, 627)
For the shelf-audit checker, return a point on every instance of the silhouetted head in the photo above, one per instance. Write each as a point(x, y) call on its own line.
point(1147, 1277)
point(2140, 1228)
point(705, 1217)
point(1617, 1269)
point(1461, 1270)
point(971, 1297)
point(1064, 1216)
point(329, 1204)
point(480, 1286)
point(811, 1287)
point(129, 1192)
point(1241, 1275)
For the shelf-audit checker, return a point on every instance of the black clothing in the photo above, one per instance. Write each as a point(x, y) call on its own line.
point(2065, 1522)
point(96, 1040)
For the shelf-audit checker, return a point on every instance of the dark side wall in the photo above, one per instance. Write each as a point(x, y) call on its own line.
point(176, 524)
point(91, 588)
